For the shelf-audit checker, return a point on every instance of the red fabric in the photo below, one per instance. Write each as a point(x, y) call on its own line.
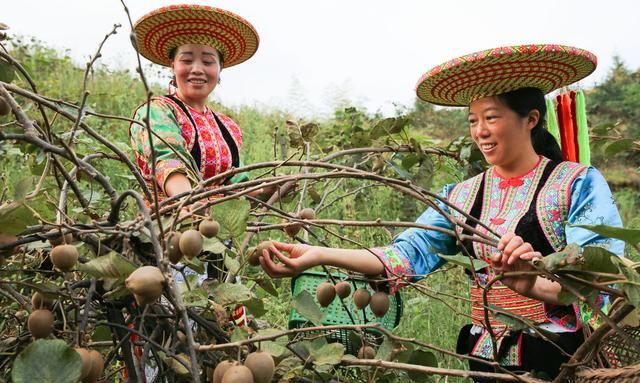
point(566, 128)
point(574, 120)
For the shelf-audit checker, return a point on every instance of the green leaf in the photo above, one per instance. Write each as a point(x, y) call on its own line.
point(15, 217)
point(513, 321)
point(385, 350)
point(631, 236)
point(255, 307)
point(268, 286)
point(618, 146)
point(230, 293)
point(632, 287)
point(22, 187)
point(464, 261)
point(309, 130)
point(239, 334)
point(599, 259)
point(306, 306)
point(44, 360)
point(232, 216)
point(569, 256)
point(194, 264)
point(196, 297)
point(314, 195)
point(213, 245)
point(276, 350)
point(421, 358)
point(331, 353)
point(7, 73)
point(409, 160)
point(111, 266)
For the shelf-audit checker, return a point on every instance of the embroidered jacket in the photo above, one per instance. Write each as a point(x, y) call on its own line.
point(175, 139)
point(538, 206)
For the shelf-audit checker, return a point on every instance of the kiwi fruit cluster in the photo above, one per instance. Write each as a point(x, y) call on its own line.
point(56, 238)
point(254, 255)
point(92, 365)
point(40, 323)
point(146, 284)
point(189, 243)
point(40, 301)
point(258, 367)
point(294, 228)
point(209, 228)
point(366, 352)
point(64, 257)
point(5, 109)
point(379, 302)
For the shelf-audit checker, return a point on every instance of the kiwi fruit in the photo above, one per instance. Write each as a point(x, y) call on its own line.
point(40, 323)
point(64, 257)
point(307, 213)
point(57, 239)
point(292, 229)
point(238, 374)
point(85, 355)
point(261, 365)
point(325, 293)
point(254, 258)
point(209, 228)
point(221, 368)
point(379, 303)
point(5, 109)
point(191, 243)
point(97, 367)
point(39, 301)
point(366, 352)
point(146, 284)
point(343, 289)
point(361, 298)
point(173, 246)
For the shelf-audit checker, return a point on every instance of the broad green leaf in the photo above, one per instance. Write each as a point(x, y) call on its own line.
point(409, 160)
point(599, 259)
point(45, 360)
point(194, 264)
point(196, 297)
point(631, 236)
point(7, 73)
point(255, 307)
point(228, 293)
point(314, 195)
point(562, 258)
point(110, 266)
point(464, 261)
point(515, 322)
point(239, 334)
point(308, 308)
point(331, 353)
point(382, 128)
point(268, 286)
point(421, 358)
point(632, 287)
point(231, 264)
point(618, 146)
point(22, 187)
point(232, 216)
point(385, 350)
point(309, 130)
point(276, 350)
point(213, 245)
point(15, 217)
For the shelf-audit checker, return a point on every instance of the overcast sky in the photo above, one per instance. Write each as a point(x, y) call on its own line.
point(313, 53)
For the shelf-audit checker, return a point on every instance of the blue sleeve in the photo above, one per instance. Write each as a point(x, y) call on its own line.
point(414, 253)
point(592, 204)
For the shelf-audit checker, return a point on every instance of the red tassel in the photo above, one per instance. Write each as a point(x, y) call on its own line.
point(566, 128)
point(574, 120)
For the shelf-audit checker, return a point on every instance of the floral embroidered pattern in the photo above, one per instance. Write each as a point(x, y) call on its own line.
point(396, 266)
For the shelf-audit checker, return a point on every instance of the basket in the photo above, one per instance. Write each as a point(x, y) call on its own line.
point(335, 313)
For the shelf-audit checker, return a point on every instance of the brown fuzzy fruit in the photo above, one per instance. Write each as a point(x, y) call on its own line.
point(307, 213)
point(254, 258)
point(343, 289)
point(146, 284)
point(40, 323)
point(209, 228)
point(238, 374)
point(325, 293)
point(64, 257)
point(191, 243)
point(85, 355)
point(366, 352)
point(97, 367)
point(293, 229)
point(173, 246)
point(379, 303)
point(261, 365)
point(39, 301)
point(221, 369)
point(361, 298)
point(57, 239)
point(5, 109)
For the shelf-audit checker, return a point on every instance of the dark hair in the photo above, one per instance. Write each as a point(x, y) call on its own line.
point(524, 100)
point(173, 51)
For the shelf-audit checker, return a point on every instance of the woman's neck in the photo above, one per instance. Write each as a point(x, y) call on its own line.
point(522, 166)
point(199, 105)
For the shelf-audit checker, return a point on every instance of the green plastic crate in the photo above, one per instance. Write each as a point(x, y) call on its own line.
point(335, 313)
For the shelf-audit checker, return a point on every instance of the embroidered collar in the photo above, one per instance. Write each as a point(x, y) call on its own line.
point(515, 181)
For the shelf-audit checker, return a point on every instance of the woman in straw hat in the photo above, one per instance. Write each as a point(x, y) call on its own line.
point(529, 196)
point(191, 141)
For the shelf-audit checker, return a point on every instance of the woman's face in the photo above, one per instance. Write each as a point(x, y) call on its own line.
point(197, 69)
point(504, 138)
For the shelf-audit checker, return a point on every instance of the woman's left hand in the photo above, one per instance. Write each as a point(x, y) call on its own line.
point(514, 255)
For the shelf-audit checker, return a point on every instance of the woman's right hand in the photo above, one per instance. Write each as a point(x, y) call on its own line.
point(301, 257)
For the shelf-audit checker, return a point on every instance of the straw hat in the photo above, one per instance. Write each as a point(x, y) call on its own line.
point(462, 80)
point(163, 29)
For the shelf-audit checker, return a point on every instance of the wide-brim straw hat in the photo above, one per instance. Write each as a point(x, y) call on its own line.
point(163, 29)
point(490, 72)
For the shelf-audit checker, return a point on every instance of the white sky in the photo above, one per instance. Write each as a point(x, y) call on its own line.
point(312, 53)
